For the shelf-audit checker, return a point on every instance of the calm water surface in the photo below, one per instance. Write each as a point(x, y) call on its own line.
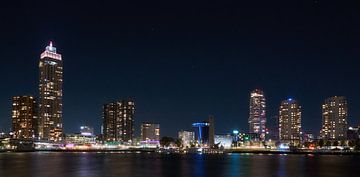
point(40, 164)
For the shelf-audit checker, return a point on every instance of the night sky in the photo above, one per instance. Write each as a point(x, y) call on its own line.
point(181, 61)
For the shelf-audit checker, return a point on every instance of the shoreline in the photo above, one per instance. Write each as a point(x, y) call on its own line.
point(154, 151)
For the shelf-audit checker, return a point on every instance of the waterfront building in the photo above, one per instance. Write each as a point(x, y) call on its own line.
point(86, 130)
point(51, 93)
point(204, 132)
point(24, 122)
point(150, 134)
point(187, 138)
point(353, 133)
point(290, 122)
point(77, 139)
point(118, 121)
point(257, 116)
point(334, 118)
point(224, 141)
point(82, 140)
point(248, 137)
point(308, 137)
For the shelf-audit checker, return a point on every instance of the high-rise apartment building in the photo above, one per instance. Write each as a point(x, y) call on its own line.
point(118, 121)
point(290, 122)
point(50, 97)
point(24, 122)
point(334, 118)
point(257, 116)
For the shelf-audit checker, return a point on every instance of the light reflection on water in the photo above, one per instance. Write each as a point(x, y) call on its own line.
point(191, 165)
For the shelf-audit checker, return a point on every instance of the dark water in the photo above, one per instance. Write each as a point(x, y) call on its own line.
point(156, 165)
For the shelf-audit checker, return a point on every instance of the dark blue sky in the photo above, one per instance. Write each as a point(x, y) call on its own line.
point(181, 61)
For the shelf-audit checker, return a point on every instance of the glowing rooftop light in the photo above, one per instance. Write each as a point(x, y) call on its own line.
point(200, 124)
point(50, 52)
point(235, 131)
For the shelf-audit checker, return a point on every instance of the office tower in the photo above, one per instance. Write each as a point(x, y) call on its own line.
point(257, 117)
point(118, 121)
point(24, 117)
point(150, 132)
point(334, 118)
point(204, 132)
point(187, 138)
point(290, 122)
point(50, 97)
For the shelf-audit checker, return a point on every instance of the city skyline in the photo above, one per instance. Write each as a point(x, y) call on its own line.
point(179, 88)
point(176, 64)
point(259, 94)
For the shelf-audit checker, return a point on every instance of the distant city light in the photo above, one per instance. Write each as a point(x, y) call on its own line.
point(284, 146)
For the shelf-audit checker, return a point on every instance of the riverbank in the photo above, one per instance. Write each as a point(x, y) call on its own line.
point(304, 152)
point(230, 151)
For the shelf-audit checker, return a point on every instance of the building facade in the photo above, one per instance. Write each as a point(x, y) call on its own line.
point(24, 120)
point(187, 138)
point(290, 122)
point(118, 121)
point(334, 118)
point(150, 132)
point(73, 140)
point(224, 141)
point(50, 97)
point(257, 116)
point(150, 135)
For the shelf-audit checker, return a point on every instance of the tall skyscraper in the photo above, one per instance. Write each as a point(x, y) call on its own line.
point(257, 117)
point(150, 132)
point(334, 118)
point(118, 121)
point(24, 117)
point(290, 122)
point(50, 97)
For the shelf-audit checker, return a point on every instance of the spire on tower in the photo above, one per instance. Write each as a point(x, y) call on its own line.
point(51, 48)
point(50, 51)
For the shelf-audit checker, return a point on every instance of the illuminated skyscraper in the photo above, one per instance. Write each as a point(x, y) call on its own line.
point(118, 121)
point(150, 132)
point(334, 118)
point(50, 100)
point(257, 117)
point(290, 122)
point(24, 117)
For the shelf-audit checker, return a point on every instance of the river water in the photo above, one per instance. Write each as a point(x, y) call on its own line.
point(60, 164)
